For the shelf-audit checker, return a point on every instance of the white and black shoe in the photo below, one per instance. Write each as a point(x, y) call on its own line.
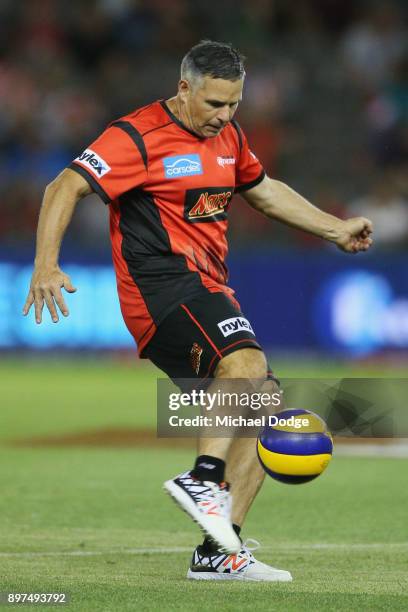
point(215, 565)
point(209, 504)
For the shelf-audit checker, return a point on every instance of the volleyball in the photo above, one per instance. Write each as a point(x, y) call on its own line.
point(295, 447)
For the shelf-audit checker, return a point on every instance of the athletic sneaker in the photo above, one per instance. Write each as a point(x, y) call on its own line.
point(243, 566)
point(209, 504)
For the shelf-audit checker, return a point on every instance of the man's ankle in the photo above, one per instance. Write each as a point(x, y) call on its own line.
point(209, 468)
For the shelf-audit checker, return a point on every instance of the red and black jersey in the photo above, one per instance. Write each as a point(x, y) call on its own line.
point(169, 191)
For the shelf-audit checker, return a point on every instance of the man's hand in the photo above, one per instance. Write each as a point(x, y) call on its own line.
point(60, 198)
point(278, 201)
point(354, 235)
point(46, 287)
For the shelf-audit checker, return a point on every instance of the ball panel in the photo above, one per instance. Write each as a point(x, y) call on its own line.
point(291, 479)
point(293, 465)
point(295, 443)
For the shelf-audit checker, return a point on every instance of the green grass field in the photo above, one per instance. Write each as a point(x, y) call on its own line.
point(94, 522)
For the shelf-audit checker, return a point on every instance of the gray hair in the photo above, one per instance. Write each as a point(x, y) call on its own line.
point(214, 59)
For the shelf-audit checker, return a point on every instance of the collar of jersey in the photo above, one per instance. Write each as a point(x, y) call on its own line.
point(178, 122)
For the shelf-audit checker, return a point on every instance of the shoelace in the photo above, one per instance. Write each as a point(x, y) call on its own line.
point(251, 545)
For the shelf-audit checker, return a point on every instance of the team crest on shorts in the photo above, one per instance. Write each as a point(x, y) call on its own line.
point(195, 356)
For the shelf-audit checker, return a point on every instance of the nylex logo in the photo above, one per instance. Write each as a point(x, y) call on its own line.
point(209, 204)
point(182, 165)
point(234, 325)
point(95, 163)
point(225, 161)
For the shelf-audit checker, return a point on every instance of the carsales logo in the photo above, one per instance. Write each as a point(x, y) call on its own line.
point(207, 204)
point(182, 165)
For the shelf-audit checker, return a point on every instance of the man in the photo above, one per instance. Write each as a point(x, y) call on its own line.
point(168, 172)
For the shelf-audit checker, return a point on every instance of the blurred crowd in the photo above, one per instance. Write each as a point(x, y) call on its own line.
point(325, 105)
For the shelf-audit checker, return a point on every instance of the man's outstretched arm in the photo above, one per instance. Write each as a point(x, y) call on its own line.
point(278, 201)
point(60, 199)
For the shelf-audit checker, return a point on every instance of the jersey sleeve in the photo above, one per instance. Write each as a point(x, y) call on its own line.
point(249, 170)
point(115, 162)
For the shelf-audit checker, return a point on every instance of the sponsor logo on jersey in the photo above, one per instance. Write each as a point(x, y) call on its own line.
point(222, 160)
point(234, 325)
point(195, 355)
point(207, 204)
point(182, 165)
point(94, 162)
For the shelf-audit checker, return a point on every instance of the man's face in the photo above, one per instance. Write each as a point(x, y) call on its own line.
point(211, 104)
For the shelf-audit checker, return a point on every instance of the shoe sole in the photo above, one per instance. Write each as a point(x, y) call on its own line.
point(184, 501)
point(238, 577)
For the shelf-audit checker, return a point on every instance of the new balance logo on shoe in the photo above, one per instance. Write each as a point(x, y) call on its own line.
point(233, 563)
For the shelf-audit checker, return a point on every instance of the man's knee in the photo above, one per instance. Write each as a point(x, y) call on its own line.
point(245, 363)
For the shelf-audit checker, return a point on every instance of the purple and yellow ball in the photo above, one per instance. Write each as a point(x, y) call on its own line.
point(295, 454)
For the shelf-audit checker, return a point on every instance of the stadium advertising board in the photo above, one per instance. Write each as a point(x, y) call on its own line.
point(334, 306)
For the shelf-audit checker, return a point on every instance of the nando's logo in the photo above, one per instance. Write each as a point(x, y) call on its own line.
point(207, 204)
